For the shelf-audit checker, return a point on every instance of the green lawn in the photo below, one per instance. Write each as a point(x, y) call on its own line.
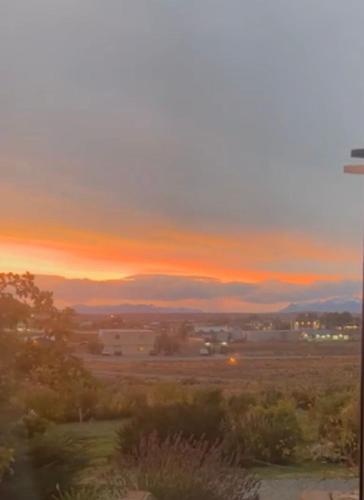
point(100, 436)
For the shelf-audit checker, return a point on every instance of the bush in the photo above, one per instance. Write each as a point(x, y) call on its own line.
point(304, 398)
point(113, 403)
point(268, 435)
point(180, 469)
point(56, 461)
point(271, 396)
point(201, 418)
point(6, 462)
point(110, 486)
point(47, 403)
point(80, 402)
point(31, 424)
point(338, 432)
point(167, 393)
point(238, 405)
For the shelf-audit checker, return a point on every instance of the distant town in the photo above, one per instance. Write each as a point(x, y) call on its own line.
point(199, 334)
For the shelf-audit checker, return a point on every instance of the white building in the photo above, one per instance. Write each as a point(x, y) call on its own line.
point(272, 335)
point(128, 342)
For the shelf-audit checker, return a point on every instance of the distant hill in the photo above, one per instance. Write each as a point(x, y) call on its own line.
point(334, 305)
point(131, 308)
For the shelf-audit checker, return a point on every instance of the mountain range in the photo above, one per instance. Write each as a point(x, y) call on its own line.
point(131, 308)
point(333, 305)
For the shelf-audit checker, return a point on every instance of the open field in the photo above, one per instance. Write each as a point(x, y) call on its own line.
point(250, 373)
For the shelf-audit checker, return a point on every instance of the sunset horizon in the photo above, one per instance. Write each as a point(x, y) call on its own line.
point(181, 280)
point(127, 155)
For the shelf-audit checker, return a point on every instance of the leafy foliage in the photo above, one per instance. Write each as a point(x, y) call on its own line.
point(268, 435)
point(6, 461)
point(56, 461)
point(201, 418)
point(338, 429)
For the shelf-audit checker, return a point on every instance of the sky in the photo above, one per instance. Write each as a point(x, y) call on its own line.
point(183, 152)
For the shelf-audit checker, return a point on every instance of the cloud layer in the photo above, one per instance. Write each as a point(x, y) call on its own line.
point(191, 290)
point(197, 137)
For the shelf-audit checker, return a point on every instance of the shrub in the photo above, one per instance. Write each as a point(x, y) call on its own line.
point(31, 424)
point(270, 397)
point(167, 393)
point(110, 486)
point(268, 435)
point(113, 403)
point(239, 404)
point(187, 469)
point(338, 433)
point(70, 403)
point(47, 403)
point(80, 402)
point(304, 398)
point(56, 461)
point(201, 418)
point(6, 462)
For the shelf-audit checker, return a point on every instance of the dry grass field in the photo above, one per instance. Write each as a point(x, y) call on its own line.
point(249, 373)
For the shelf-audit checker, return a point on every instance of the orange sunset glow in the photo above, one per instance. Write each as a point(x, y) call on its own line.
point(165, 160)
point(99, 256)
point(251, 257)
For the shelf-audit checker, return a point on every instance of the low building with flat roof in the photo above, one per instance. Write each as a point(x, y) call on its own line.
point(272, 335)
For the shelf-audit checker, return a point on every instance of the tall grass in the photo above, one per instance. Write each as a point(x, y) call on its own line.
point(187, 469)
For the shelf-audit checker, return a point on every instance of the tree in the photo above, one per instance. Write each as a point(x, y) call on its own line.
point(58, 323)
point(22, 301)
point(21, 287)
point(165, 344)
point(184, 330)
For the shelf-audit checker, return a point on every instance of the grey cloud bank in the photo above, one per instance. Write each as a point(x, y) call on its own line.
point(177, 289)
point(207, 113)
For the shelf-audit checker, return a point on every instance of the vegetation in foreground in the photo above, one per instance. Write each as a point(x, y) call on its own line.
point(160, 430)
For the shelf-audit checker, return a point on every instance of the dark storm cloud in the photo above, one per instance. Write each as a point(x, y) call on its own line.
point(209, 113)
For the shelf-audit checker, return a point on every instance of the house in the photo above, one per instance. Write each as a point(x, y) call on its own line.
point(127, 342)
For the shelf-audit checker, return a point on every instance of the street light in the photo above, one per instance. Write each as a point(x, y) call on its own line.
point(359, 170)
